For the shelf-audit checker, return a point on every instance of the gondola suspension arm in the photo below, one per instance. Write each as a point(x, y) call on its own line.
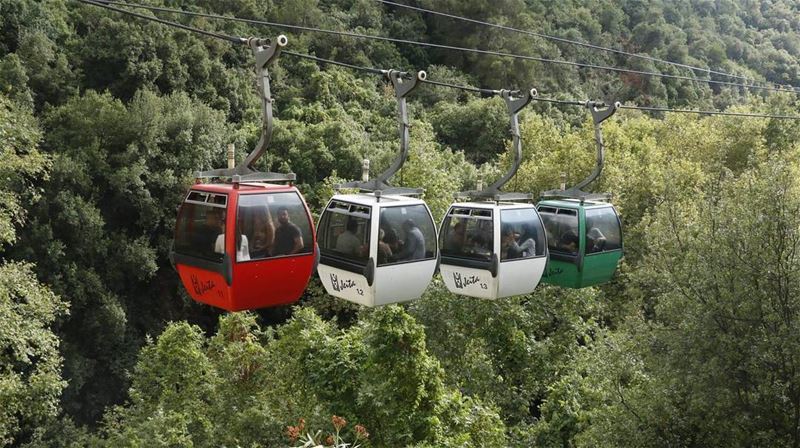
point(576, 192)
point(403, 84)
point(515, 103)
point(265, 52)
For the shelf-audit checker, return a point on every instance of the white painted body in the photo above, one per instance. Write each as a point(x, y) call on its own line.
point(514, 277)
point(393, 283)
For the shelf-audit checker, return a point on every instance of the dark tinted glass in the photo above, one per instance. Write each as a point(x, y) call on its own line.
point(273, 225)
point(522, 235)
point(200, 231)
point(344, 231)
point(561, 226)
point(468, 233)
point(602, 230)
point(406, 234)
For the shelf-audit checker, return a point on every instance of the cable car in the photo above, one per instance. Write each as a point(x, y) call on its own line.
point(244, 246)
point(247, 242)
point(379, 246)
point(375, 249)
point(584, 231)
point(585, 241)
point(495, 247)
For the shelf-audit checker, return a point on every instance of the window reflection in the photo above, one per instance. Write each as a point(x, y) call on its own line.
point(272, 225)
point(602, 230)
point(561, 226)
point(406, 233)
point(468, 233)
point(200, 231)
point(344, 231)
point(522, 235)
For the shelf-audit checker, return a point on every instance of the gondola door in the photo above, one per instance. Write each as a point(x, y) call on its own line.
point(204, 265)
point(403, 271)
point(347, 255)
point(275, 259)
point(522, 248)
point(469, 261)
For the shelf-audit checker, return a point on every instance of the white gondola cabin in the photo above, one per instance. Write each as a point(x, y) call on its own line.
point(495, 246)
point(492, 250)
point(376, 250)
point(380, 245)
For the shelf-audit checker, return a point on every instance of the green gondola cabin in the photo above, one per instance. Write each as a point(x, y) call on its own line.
point(584, 239)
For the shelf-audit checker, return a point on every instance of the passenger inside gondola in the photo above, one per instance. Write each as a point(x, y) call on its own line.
point(457, 238)
point(348, 242)
point(511, 248)
point(414, 244)
point(288, 237)
point(214, 231)
point(263, 233)
point(385, 252)
point(595, 240)
point(569, 242)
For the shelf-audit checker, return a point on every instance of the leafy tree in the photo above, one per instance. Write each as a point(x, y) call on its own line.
point(101, 231)
point(30, 362)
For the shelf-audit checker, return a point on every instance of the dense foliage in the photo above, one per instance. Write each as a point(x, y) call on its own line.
point(103, 120)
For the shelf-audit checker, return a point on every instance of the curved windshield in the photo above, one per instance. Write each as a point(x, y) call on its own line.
point(272, 225)
point(468, 233)
point(561, 225)
point(603, 231)
point(521, 234)
point(406, 233)
point(344, 231)
point(200, 228)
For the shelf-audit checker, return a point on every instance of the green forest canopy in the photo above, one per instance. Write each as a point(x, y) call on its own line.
point(103, 120)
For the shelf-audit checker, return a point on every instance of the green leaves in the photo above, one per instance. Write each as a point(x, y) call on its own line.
point(30, 362)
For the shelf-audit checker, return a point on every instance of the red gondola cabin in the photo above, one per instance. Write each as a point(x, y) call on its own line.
point(244, 246)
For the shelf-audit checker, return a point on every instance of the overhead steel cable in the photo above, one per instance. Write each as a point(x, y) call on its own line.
point(464, 88)
point(102, 4)
point(568, 41)
point(332, 62)
point(445, 47)
point(241, 40)
point(667, 109)
point(710, 112)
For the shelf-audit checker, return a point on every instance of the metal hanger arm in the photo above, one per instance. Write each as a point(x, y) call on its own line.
point(265, 52)
point(403, 84)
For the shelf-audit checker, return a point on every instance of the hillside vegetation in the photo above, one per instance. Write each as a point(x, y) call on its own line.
point(105, 118)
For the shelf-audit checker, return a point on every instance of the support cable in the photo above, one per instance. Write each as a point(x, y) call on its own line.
point(568, 41)
point(241, 40)
point(667, 109)
point(104, 4)
point(442, 46)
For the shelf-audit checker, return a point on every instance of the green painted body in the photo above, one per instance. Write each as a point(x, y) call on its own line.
point(582, 269)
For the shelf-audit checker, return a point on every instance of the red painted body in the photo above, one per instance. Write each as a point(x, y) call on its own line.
point(205, 286)
point(256, 283)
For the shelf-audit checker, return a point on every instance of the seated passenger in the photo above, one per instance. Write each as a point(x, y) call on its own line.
point(384, 250)
point(456, 238)
point(348, 243)
point(263, 236)
point(414, 245)
point(595, 240)
point(213, 232)
point(569, 242)
point(510, 248)
point(288, 237)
